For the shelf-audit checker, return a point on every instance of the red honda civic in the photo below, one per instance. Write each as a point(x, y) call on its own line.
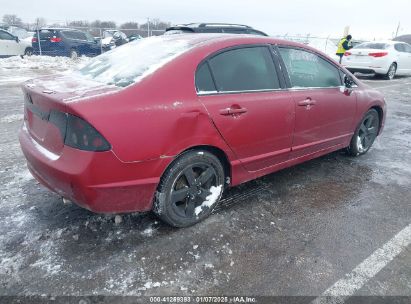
point(167, 123)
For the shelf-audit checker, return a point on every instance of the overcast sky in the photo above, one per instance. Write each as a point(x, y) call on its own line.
point(367, 19)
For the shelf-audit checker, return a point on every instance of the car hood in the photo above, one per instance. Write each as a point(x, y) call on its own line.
point(70, 88)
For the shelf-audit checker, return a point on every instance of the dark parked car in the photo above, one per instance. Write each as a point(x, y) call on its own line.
point(403, 38)
point(189, 116)
point(213, 28)
point(65, 42)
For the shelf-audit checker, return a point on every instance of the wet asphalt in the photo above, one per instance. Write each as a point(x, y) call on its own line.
point(295, 232)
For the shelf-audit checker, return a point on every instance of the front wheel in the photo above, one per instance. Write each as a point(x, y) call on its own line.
point(189, 189)
point(365, 134)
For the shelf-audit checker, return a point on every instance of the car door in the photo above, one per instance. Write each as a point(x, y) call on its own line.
point(241, 90)
point(324, 110)
point(407, 57)
point(401, 58)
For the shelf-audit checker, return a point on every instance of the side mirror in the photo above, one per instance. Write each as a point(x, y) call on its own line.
point(348, 81)
point(17, 39)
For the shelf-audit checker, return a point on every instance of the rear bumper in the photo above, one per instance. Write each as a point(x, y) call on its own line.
point(97, 181)
point(366, 70)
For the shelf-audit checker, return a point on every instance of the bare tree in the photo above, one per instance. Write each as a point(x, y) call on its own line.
point(40, 22)
point(12, 20)
point(129, 25)
point(78, 24)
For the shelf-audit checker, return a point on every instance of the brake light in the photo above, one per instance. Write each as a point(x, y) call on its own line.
point(55, 39)
point(379, 54)
point(34, 40)
point(347, 54)
point(83, 136)
point(78, 133)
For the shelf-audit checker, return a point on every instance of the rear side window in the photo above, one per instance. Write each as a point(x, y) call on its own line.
point(75, 35)
point(399, 47)
point(306, 69)
point(245, 69)
point(204, 81)
point(407, 48)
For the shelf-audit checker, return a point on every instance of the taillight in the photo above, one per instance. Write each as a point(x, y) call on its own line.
point(83, 136)
point(378, 54)
point(55, 39)
point(78, 133)
point(34, 40)
point(347, 54)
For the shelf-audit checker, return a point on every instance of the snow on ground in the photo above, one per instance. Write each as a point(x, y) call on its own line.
point(16, 69)
point(41, 62)
point(12, 118)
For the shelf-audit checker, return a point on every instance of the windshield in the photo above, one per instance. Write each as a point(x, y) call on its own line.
point(372, 45)
point(131, 62)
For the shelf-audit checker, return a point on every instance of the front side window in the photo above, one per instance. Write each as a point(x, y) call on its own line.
point(244, 69)
point(308, 70)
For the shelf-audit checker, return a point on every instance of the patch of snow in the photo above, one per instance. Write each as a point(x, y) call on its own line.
point(148, 231)
point(359, 145)
point(195, 247)
point(210, 199)
point(12, 118)
point(42, 63)
point(135, 60)
point(208, 266)
point(118, 219)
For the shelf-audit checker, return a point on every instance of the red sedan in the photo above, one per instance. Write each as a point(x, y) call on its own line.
point(167, 123)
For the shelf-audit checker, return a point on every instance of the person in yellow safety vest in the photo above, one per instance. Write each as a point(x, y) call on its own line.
point(343, 46)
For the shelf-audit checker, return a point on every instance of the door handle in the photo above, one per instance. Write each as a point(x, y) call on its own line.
point(306, 102)
point(233, 111)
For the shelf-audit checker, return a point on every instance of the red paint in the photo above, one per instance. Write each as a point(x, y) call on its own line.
point(150, 123)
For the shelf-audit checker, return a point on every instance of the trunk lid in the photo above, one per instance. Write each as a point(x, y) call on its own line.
point(47, 102)
point(361, 56)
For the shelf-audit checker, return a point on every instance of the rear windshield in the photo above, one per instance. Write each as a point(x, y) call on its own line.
point(133, 61)
point(372, 45)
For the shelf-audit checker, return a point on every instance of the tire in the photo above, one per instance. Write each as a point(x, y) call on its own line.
point(391, 72)
point(73, 54)
point(189, 189)
point(365, 134)
point(28, 51)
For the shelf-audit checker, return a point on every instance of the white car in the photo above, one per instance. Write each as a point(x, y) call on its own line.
point(387, 58)
point(11, 45)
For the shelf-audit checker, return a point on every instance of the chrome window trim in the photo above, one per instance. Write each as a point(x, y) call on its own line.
point(239, 92)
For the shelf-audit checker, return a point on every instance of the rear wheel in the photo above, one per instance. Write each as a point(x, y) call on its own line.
point(28, 51)
point(189, 189)
point(391, 72)
point(365, 134)
point(73, 54)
